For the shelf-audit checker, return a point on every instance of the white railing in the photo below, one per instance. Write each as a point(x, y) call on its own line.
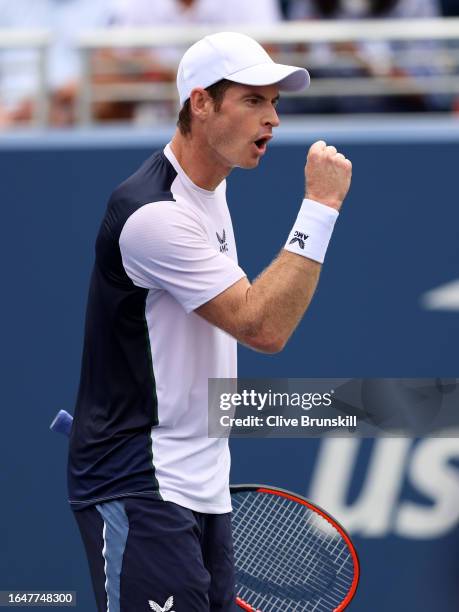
point(38, 40)
point(446, 62)
point(289, 32)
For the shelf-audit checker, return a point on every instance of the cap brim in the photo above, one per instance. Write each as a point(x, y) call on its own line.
point(288, 78)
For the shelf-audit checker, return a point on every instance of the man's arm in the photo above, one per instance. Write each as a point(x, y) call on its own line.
point(264, 314)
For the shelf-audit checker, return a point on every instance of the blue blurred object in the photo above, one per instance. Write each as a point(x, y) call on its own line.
point(62, 423)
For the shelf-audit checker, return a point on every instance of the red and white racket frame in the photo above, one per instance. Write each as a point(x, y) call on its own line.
point(333, 522)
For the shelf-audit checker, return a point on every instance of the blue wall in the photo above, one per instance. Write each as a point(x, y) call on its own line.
point(396, 238)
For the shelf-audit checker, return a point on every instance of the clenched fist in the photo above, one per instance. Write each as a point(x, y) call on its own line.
point(328, 175)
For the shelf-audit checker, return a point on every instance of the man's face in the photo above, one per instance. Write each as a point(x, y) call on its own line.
point(238, 132)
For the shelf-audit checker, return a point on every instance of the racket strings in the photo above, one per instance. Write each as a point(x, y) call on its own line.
point(266, 526)
point(264, 564)
point(297, 556)
point(288, 593)
point(287, 556)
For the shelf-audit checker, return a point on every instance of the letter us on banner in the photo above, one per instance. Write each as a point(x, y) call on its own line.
point(313, 407)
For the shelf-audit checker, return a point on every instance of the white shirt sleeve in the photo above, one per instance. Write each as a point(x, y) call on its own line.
point(258, 12)
point(166, 247)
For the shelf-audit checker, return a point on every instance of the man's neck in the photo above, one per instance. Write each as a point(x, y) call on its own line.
point(199, 162)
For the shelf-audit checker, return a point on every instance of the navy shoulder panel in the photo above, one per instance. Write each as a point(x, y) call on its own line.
point(150, 183)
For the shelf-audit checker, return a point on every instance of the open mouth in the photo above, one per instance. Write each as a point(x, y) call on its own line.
point(261, 143)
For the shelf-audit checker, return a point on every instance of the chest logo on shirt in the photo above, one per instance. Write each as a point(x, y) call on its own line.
point(222, 240)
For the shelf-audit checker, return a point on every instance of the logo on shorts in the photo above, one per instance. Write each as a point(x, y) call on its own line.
point(222, 240)
point(166, 608)
point(300, 238)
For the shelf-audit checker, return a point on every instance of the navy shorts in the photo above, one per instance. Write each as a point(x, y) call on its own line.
point(147, 554)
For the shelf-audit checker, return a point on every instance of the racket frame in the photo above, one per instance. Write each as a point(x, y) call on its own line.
point(259, 488)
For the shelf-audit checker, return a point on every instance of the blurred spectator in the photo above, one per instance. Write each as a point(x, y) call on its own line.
point(65, 19)
point(358, 9)
point(371, 58)
point(186, 12)
point(284, 7)
point(160, 64)
point(450, 8)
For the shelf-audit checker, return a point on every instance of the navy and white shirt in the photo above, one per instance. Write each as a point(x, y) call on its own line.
point(165, 247)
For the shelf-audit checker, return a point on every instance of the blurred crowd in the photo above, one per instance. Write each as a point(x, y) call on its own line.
point(66, 19)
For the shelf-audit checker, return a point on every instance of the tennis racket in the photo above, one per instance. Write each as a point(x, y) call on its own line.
point(290, 555)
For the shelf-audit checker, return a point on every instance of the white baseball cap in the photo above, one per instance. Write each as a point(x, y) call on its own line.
point(238, 58)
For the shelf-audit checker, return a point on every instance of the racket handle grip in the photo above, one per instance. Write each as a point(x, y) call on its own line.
point(62, 423)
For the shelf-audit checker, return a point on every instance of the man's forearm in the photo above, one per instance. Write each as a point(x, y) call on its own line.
point(278, 299)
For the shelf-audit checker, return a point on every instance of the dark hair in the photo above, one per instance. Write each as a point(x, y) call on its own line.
point(217, 93)
point(329, 8)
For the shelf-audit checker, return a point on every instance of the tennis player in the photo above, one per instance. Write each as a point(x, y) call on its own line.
point(167, 303)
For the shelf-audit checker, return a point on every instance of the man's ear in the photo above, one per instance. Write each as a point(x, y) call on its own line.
point(201, 103)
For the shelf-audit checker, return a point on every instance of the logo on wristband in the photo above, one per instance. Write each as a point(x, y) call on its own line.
point(300, 238)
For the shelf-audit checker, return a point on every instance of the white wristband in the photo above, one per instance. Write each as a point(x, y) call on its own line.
point(312, 230)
